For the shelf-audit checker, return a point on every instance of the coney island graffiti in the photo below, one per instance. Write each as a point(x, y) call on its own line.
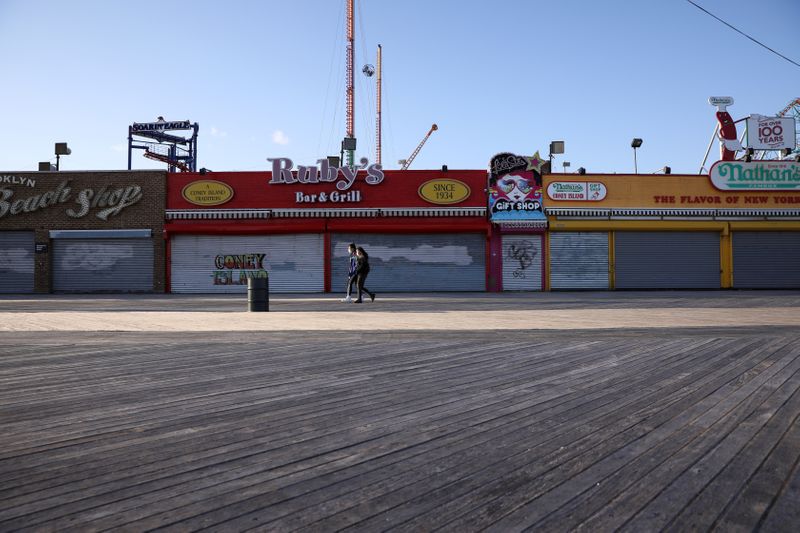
point(515, 188)
point(236, 269)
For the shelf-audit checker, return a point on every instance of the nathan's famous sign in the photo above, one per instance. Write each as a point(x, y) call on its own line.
point(741, 175)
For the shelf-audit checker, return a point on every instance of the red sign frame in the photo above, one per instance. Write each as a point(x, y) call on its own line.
point(399, 189)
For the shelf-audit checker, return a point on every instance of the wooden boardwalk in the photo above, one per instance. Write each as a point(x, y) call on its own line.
point(633, 430)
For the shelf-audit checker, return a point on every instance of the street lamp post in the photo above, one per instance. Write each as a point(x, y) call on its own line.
point(61, 149)
point(556, 147)
point(635, 143)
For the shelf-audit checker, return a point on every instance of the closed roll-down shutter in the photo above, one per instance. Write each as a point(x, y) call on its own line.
point(522, 262)
point(422, 262)
point(103, 265)
point(223, 263)
point(667, 260)
point(579, 260)
point(766, 260)
point(16, 261)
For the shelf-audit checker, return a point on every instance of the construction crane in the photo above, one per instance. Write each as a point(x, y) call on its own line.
point(407, 162)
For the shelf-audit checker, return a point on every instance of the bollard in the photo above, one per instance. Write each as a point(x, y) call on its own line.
point(258, 293)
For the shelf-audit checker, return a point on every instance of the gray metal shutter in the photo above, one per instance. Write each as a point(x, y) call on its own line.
point(579, 260)
point(413, 263)
point(522, 262)
point(222, 263)
point(103, 265)
point(16, 261)
point(667, 260)
point(766, 259)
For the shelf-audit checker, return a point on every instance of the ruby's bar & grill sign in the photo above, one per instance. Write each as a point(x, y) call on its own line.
point(343, 178)
point(742, 175)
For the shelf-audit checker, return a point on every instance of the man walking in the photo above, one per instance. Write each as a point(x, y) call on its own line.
point(351, 272)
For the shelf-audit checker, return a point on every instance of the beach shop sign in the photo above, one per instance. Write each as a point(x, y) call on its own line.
point(756, 175)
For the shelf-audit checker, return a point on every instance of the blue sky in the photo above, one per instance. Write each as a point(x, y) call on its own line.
point(266, 78)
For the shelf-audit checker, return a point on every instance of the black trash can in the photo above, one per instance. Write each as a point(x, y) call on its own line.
point(258, 293)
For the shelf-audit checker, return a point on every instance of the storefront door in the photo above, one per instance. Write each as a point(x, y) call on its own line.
point(766, 260)
point(522, 262)
point(98, 261)
point(667, 260)
point(579, 260)
point(223, 263)
point(415, 262)
point(16, 261)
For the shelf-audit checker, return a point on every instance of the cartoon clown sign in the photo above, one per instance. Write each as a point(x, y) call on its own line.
point(515, 188)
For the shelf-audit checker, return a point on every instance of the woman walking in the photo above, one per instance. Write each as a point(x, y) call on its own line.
point(362, 270)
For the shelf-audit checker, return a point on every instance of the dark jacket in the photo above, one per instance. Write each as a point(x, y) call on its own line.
point(353, 264)
point(362, 265)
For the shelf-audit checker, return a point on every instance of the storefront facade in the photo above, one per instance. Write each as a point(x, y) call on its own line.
point(732, 229)
point(516, 214)
point(513, 229)
point(423, 230)
point(82, 232)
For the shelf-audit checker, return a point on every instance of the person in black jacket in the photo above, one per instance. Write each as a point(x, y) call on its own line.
point(362, 270)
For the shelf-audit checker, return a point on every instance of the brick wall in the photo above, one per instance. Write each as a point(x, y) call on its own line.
point(88, 200)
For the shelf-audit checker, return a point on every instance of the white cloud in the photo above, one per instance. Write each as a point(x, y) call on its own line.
point(278, 137)
point(218, 133)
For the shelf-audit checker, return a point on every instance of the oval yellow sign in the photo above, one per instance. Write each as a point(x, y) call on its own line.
point(444, 191)
point(207, 192)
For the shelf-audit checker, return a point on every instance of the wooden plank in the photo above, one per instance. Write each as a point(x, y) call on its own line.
point(600, 496)
point(658, 468)
point(771, 423)
point(483, 492)
point(755, 500)
point(423, 431)
point(523, 438)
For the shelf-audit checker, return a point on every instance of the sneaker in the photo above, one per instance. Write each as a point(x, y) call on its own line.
point(358, 301)
point(372, 297)
point(347, 300)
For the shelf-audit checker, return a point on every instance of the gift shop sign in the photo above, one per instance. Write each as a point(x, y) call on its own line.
point(762, 175)
point(770, 133)
point(342, 178)
point(103, 202)
point(515, 188)
point(581, 191)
